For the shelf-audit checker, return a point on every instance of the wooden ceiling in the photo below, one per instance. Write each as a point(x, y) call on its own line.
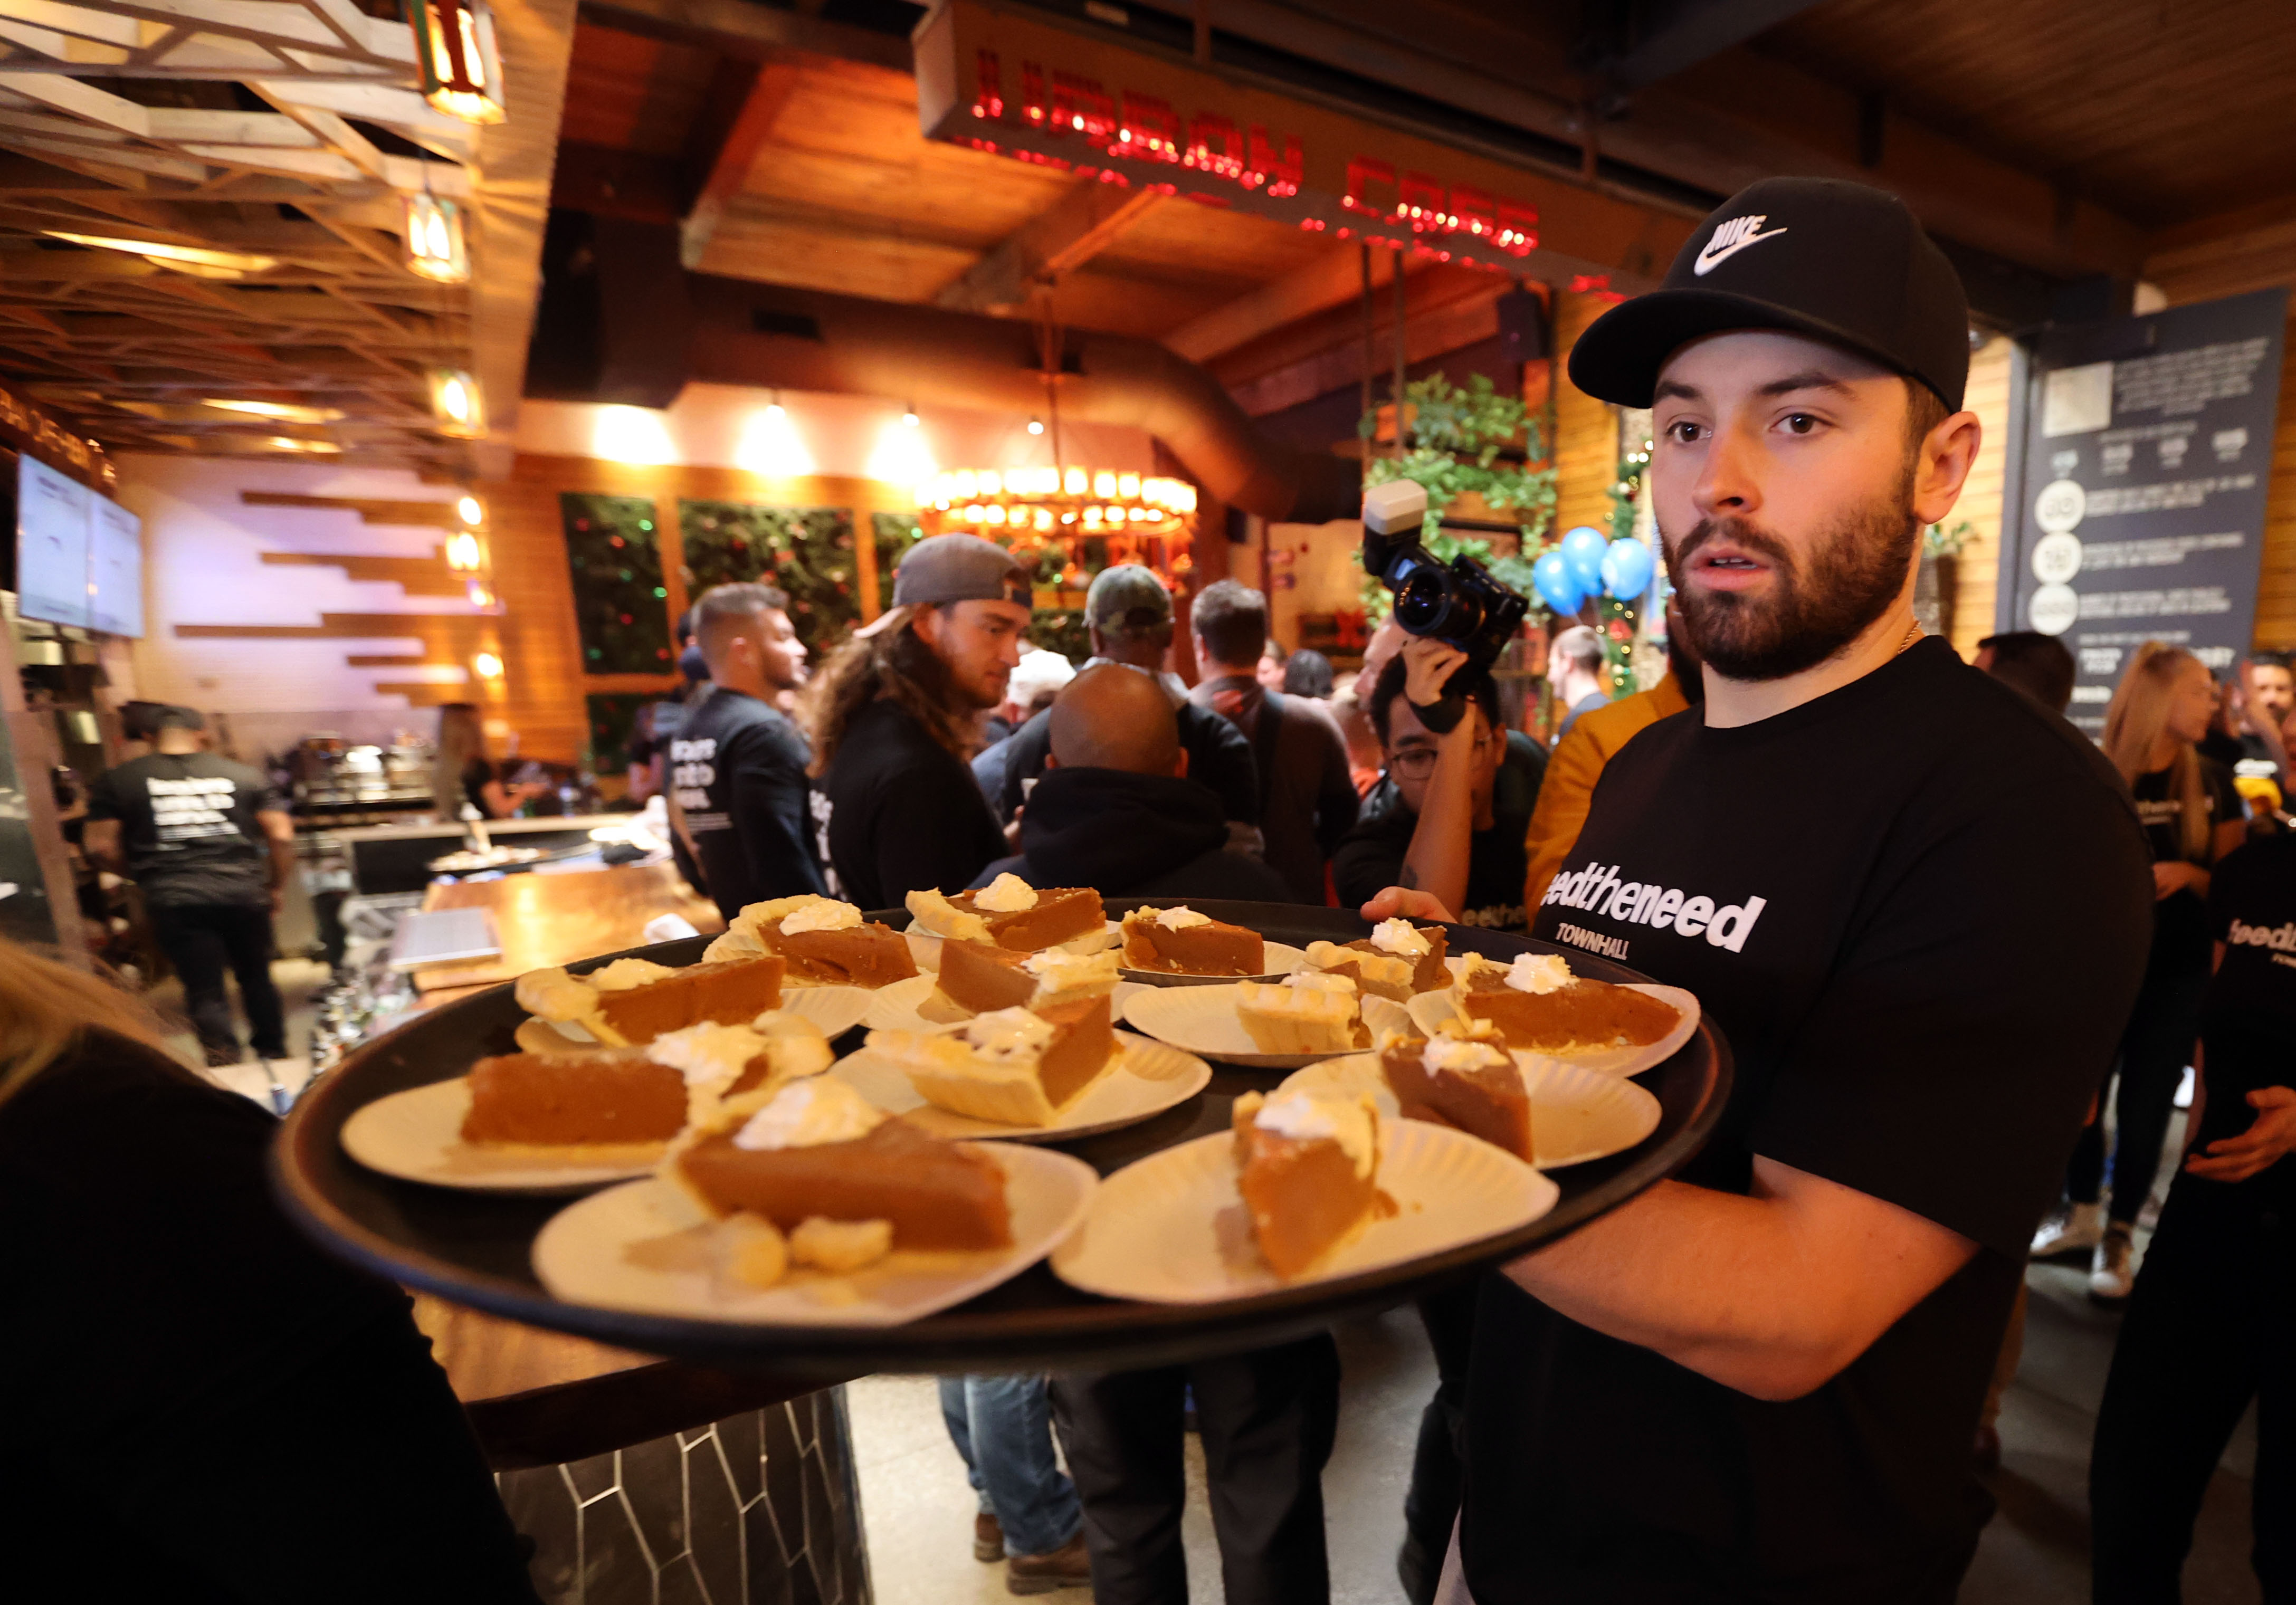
point(288, 132)
point(2163, 111)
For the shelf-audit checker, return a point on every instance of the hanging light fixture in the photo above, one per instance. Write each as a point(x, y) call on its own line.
point(462, 69)
point(1065, 500)
point(457, 403)
point(464, 555)
point(435, 246)
point(471, 510)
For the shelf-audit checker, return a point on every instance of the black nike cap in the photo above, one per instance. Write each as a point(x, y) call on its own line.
point(1837, 261)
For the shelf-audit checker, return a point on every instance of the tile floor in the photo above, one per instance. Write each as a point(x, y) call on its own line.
point(917, 1508)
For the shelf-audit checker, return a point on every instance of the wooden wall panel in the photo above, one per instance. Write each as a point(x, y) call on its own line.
point(1982, 499)
point(1586, 430)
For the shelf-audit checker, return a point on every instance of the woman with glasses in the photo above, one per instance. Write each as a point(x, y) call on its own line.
point(1450, 816)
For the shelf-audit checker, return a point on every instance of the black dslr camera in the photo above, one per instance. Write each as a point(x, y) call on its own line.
point(1457, 603)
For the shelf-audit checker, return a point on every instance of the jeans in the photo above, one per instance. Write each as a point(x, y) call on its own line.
point(1001, 1427)
point(1266, 1419)
point(203, 940)
point(2211, 1325)
point(2154, 1050)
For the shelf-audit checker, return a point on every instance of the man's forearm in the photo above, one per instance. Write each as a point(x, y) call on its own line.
point(282, 865)
point(1757, 1292)
point(1436, 862)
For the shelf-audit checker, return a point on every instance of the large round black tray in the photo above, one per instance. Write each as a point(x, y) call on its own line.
point(474, 1247)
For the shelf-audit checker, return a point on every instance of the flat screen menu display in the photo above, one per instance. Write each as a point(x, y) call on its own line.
point(79, 557)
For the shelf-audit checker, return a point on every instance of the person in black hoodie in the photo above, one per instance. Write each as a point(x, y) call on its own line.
point(1116, 810)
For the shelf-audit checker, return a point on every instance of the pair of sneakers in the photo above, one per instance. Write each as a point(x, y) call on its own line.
point(2082, 1229)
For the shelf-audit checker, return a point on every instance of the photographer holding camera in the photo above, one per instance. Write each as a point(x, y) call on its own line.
point(1462, 787)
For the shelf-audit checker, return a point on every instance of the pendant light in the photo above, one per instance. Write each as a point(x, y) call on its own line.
point(461, 70)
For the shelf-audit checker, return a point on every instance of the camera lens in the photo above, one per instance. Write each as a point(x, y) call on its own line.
point(1422, 601)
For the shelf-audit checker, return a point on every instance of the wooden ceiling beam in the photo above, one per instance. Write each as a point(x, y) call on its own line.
point(731, 152)
point(1330, 280)
point(1084, 222)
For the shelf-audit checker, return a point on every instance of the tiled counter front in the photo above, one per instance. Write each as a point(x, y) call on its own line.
point(759, 1509)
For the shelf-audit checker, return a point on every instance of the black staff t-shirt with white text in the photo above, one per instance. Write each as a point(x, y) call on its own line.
point(1917, 907)
point(2180, 933)
point(737, 771)
point(188, 829)
point(2247, 1024)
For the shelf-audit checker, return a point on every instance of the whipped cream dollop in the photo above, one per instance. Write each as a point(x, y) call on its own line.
point(1461, 1053)
point(824, 916)
point(1310, 980)
point(1008, 893)
point(1303, 1117)
point(1400, 938)
point(794, 1045)
point(626, 975)
point(1181, 918)
point(1539, 972)
point(808, 1114)
point(708, 1054)
point(1005, 1034)
point(1058, 971)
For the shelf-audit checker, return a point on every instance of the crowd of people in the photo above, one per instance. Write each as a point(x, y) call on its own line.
point(1986, 944)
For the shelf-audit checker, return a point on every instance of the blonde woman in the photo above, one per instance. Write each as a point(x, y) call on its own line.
point(460, 770)
point(2192, 817)
point(200, 1404)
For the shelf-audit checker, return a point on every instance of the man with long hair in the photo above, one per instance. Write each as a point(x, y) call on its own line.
point(1761, 1380)
point(894, 717)
point(737, 767)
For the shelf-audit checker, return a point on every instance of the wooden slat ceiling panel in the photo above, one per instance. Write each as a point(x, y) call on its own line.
point(632, 93)
point(825, 254)
point(1204, 239)
point(2160, 112)
point(1123, 304)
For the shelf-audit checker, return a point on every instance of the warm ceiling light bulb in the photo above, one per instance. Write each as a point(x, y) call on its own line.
point(910, 418)
point(471, 510)
point(435, 247)
point(195, 260)
point(458, 403)
point(489, 667)
point(462, 69)
point(1035, 426)
point(284, 412)
point(463, 556)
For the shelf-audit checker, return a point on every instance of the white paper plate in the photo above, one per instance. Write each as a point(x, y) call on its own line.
point(1280, 960)
point(1430, 1009)
point(1170, 1229)
point(905, 1005)
point(1577, 1113)
point(417, 1136)
point(1149, 1079)
point(925, 947)
point(646, 1247)
point(836, 1010)
point(1202, 1020)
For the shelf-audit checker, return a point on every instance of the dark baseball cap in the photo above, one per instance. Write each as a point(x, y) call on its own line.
point(1127, 599)
point(1839, 262)
point(956, 568)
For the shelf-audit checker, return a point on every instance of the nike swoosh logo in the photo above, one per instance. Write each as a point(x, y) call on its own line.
point(1710, 258)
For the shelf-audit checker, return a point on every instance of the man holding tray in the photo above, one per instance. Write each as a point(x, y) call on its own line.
point(1760, 1380)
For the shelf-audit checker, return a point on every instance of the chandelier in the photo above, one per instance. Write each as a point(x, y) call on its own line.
point(1058, 502)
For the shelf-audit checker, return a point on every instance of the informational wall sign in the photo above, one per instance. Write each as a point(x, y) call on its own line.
point(2137, 512)
point(1018, 82)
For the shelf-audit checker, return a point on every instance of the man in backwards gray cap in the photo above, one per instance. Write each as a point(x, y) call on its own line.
point(894, 715)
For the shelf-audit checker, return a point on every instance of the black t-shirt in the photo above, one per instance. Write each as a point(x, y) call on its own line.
point(896, 812)
point(1370, 856)
point(2248, 1027)
point(2180, 933)
point(737, 767)
point(1917, 907)
point(187, 826)
point(478, 775)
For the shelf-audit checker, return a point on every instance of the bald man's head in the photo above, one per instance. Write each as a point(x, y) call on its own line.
point(1113, 717)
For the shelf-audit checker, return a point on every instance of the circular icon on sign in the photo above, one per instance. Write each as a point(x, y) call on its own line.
point(2060, 505)
point(2053, 610)
point(2056, 557)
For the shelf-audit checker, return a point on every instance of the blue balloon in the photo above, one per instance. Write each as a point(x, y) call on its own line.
point(1582, 551)
point(1551, 576)
point(1626, 569)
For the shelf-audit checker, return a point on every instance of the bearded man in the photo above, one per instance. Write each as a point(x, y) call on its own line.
point(1917, 904)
